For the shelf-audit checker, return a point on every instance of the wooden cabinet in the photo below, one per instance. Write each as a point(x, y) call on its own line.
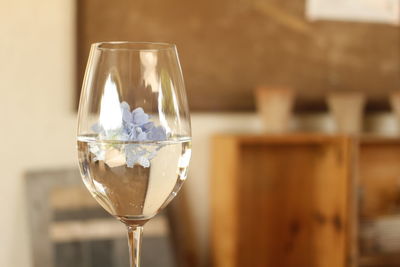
point(305, 200)
point(283, 200)
point(379, 195)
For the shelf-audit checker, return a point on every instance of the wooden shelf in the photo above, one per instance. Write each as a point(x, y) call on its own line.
point(379, 172)
point(305, 200)
point(379, 191)
point(283, 200)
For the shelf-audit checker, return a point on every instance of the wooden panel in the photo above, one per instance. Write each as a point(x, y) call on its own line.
point(228, 48)
point(380, 177)
point(288, 198)
point(223, 203)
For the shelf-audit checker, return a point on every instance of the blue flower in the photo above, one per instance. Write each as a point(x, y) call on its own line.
point(139, 117)
point(136, 126)
point(157, 134)
point(126, 113)
point(147, 126)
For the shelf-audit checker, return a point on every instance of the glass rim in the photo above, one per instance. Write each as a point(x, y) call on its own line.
point(132, 46)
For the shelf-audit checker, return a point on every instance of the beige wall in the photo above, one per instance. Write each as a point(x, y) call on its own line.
point(38, 125)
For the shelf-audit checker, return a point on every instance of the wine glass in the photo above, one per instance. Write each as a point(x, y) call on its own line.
point(134, 135)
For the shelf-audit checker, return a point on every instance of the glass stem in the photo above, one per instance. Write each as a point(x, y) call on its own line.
point(135, 243)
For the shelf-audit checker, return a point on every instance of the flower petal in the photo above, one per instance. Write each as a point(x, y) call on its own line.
point(126, 113)
point(144, 162)
point(157, 134)
point(142, 136)
point(139, 117)
point(147, 126)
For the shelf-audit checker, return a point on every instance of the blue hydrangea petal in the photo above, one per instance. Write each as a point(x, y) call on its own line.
point(125, 105)
point(147, 126)
point(129, 127)
point(127, 116)
point(139, 117)
point(126, 113)
point(127, 131)
point(136, 154)
point(141, 136)
point(157, 134)
point(131, 155)
point(130, 161)
point(136, 126)
point(144, 162)
point(138, 129)
point(133, 133)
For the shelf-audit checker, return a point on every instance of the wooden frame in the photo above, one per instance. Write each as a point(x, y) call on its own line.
point(227, 49)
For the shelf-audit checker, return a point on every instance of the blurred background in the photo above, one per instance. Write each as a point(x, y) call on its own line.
point(295, 114)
